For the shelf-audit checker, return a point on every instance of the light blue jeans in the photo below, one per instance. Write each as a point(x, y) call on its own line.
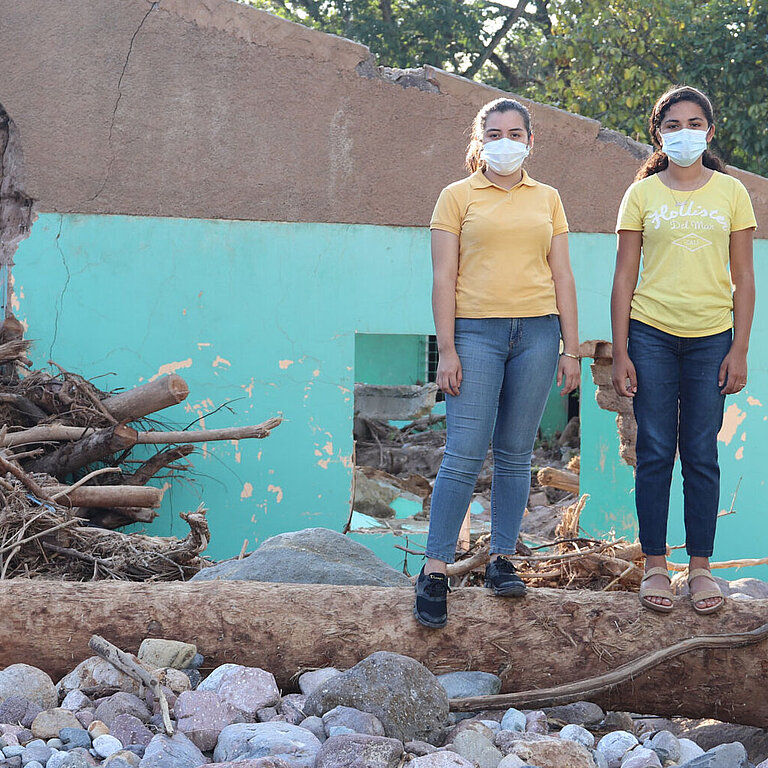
point(508, 365)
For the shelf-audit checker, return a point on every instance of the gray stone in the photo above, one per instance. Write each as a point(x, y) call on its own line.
point(419, 748)
point(309, 682)
point(340, 730)
point(130, 730)
point(297, 746)
point(29, 683)
point(405, 402)
point(459, 685)
point(265, 714)
point(36, 750)
point(689, 750)
point(578, 734)
point(640, 757)
point(75, 701)
point(106, 745)
point(96, 672)
point(32, 763)
point(122, 703)
point(580, 713)
point(57, 760)
point(614, 746)
point(175, 751)
point(513, 720)
point(619, 721)
point(536, 722)
point(441, 760)
point(310, 556)
point(203, 715)
point(291, 707)
point(79, 758)
point(314, 725)
point(248, 689)
point(197, 661)
point(260, 762)
point(478, 726)
point(75, 737)
point(477, 749)
point(755, 588)
point(17, 709)
point(494, 725)
point(666, 745)
point(194, 677)
point(732, 755)
point(55, 743)
point(354, 719)
point(122, 759)
point(400, 691)
point(13, 750)
point(511, 761)
point(158, 653)
point(359, 751)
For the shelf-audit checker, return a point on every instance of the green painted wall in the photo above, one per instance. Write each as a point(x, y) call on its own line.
point(390, 359)
point(261, 317)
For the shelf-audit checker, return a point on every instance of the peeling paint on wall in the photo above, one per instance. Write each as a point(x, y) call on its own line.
point(169, 368)
point(732, 418)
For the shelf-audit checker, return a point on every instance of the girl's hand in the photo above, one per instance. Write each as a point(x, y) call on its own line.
point(449, 373)
point(733, 372)
point(568, 374)
point(624, 377)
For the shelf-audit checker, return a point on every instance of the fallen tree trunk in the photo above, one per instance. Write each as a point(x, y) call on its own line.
point(72, 456)
point(106, 495)
point(551, 637)
point(148, 398)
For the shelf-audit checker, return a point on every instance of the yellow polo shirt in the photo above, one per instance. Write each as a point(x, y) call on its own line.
point(504, 242)
point(685, 281)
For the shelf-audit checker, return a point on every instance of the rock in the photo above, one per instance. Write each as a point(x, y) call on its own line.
point(309, 682)
point(194, 677)
point(266, 714)
point(174, 679)
point(460, 685)
point(259, 762)
point(764, 764)
point(85, 717)
point(688, 750)
point(75, 701)
point(97, 728)
point(419, 748)
point(614, 745)
point(245, 688)
point(511, 761)
point(578, 734)
point(79, 758)
point(297, 746)
point(357, 750)
point(477, 749)
point(17, 709)
point(314, 725)
point(55, 743)
point(121, 759)
point(400, 691)
point(20, 733)
point(106, 745)
point(203, 715)
point(122, 703)
point(536, 722)
point(666, 746)
point(158, 653)
point(29, 683)
point(478, 726)
point(340, 730)
point(440, 760)
point(513, 720)
point(33, 763)
point(373, 496)
point(507, 741)
point(310, 556)
point(291, 707)
point(175, 751)
point(95, 672)
point(619, 721)
point(640, 757)
point(580, 713)
point(354, 719)
point(128, 729)
point(732, 755)
point(752, 587)
point(48, 723)
point(57, 760)
point(492, 724)
point(710, 733)
point(75, 737)
point(36, 750)
point(552, 752)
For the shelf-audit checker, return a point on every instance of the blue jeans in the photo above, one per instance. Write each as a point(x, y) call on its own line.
point(508, 365)
point(678, 405)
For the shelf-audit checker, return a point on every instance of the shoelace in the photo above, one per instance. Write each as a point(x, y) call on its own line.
point(436, 587)
point(503, 565)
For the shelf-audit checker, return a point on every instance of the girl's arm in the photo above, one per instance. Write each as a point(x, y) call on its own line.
point(624, 283)
point(733, 371)
point(445, 269)
point(568, 369)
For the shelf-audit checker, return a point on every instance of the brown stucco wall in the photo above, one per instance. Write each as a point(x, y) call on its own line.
point(208, 108)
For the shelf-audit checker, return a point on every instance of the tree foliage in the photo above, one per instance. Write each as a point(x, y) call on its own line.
point(607, 59)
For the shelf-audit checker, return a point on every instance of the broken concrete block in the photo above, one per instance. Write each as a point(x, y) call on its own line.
point(401, 403)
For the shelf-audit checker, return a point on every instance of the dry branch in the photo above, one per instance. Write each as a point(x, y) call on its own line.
point(157, 462)
point(148, 398)
point(558, 478)
point(108, 495)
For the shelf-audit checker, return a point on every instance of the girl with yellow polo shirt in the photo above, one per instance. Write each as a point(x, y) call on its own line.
point(680, 335)
point(503, 295)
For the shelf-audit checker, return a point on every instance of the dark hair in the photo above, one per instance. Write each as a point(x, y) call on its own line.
point(473, 160)
point(658, 161)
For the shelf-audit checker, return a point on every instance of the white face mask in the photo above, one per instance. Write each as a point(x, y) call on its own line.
point(504, 156)
point(684, 147)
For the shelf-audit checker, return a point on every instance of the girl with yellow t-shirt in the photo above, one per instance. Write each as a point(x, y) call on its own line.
point(680, 335)
point(503, 295)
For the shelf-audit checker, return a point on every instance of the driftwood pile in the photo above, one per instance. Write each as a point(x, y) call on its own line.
point(69, 476)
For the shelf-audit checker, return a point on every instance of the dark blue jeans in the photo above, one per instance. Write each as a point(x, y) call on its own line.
point(508, 366)
point(678, 405)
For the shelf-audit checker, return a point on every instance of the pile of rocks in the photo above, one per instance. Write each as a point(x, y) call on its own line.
point(386, 712)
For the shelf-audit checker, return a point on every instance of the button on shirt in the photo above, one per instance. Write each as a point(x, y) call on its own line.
point(504, 241)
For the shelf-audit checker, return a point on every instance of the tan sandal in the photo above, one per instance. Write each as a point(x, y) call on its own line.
point(646, 592)
point(705, 594)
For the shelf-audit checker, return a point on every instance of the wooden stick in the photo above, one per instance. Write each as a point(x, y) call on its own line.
point(208, 435)
point(583, 689)
point(558, 478)
point(147, 398)
point(157, 462)
point(21, 475)
point(84, 480)
point(109, 495)
point(122, 661)
point(723, 564)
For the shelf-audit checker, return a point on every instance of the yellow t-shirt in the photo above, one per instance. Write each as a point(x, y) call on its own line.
point(685, 282)
point(504, 241)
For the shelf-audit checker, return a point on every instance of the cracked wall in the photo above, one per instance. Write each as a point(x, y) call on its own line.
point(213, 109)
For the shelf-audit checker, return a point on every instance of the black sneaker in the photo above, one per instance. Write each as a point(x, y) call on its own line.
point(431, 597)
point(502, 578)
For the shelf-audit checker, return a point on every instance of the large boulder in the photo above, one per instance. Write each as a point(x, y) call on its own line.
point(310, 556)
point(402, 693)
point(29, 683)
point(175, 751)
point(96, 672)
point(243, 741)
point(248, 689)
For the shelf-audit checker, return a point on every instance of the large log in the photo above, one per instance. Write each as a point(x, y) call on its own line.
point(147, 398)
point(107, 495)
point(551, 637)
